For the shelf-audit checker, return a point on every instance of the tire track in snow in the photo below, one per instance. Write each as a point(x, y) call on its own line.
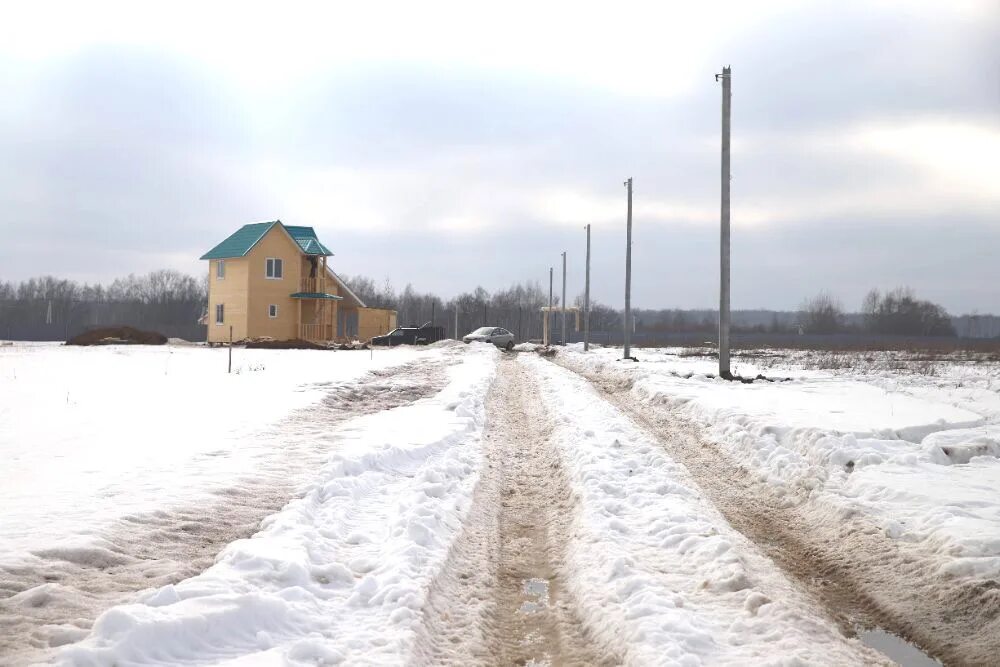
point(858, 574)
point(53, 597)
point(500, 598)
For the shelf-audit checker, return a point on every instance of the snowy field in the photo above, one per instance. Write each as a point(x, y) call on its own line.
point(93, 434)
point(458, 505)
point(126, 467)
point(337, 574)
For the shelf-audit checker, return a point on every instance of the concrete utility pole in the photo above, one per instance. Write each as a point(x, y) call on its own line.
point(724, 371)
point(564, 301)
point(548, 313)
point(628, 274)
point(586, 300)
point(456, 322)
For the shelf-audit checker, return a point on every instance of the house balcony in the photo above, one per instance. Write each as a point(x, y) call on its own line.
point(313, 285)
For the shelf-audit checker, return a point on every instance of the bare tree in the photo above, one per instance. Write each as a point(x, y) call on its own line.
point(899, 312)
point(822, 314)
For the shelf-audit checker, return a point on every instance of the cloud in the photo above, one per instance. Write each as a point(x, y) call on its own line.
point(471, 146)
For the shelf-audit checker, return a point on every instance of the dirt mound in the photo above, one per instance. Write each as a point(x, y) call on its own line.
point(118, 336)
point(295, 344)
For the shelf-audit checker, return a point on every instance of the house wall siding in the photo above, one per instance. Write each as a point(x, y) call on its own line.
point(230, 291)
point(375, 322)
point(264, 291)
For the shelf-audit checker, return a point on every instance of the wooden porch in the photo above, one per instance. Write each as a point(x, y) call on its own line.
point(317, 316)
point(316, 333)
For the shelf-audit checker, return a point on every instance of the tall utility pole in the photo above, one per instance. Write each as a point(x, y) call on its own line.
point(456, 321)
point(548, 313)
point(724, 371)
point(628, 274)
point(586, 300)
point(563, 340)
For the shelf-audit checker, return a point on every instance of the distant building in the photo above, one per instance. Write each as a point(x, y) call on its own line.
point(272, 280)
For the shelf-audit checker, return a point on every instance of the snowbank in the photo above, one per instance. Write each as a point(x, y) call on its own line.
point(340, 574)
point(660, 574)
point(916, 454)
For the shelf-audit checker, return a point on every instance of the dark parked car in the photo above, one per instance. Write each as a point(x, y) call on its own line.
point(410, 336)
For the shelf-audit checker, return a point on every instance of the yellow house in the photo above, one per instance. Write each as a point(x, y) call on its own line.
point(271, 279)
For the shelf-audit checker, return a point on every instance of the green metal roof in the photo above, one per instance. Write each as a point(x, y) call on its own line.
point(247, 236)
point(307, 240)
point(240, 242)
point(316, 295)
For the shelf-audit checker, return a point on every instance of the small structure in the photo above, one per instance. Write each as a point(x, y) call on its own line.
point(558, 309)
point(273, 280)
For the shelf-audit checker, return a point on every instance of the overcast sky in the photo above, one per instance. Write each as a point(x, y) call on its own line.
point(456, 144)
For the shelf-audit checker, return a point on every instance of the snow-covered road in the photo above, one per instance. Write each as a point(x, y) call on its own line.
point(502, 595)
point(862, 488)
point(457, 505)
point(659, 573)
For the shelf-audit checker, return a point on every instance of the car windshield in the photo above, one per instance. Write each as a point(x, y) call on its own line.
point(482, 331)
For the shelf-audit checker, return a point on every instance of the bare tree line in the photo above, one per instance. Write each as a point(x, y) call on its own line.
point(49, 308)
point(897, 312)
point(517, 308)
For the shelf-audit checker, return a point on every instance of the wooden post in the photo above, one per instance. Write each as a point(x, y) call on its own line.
point(230, 349)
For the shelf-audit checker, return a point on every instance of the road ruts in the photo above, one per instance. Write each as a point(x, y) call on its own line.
point(500, 598)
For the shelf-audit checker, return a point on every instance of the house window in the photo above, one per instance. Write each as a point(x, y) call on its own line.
point(220, 313)
point(273, 270)
point(220, 269)
point(272, 311)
